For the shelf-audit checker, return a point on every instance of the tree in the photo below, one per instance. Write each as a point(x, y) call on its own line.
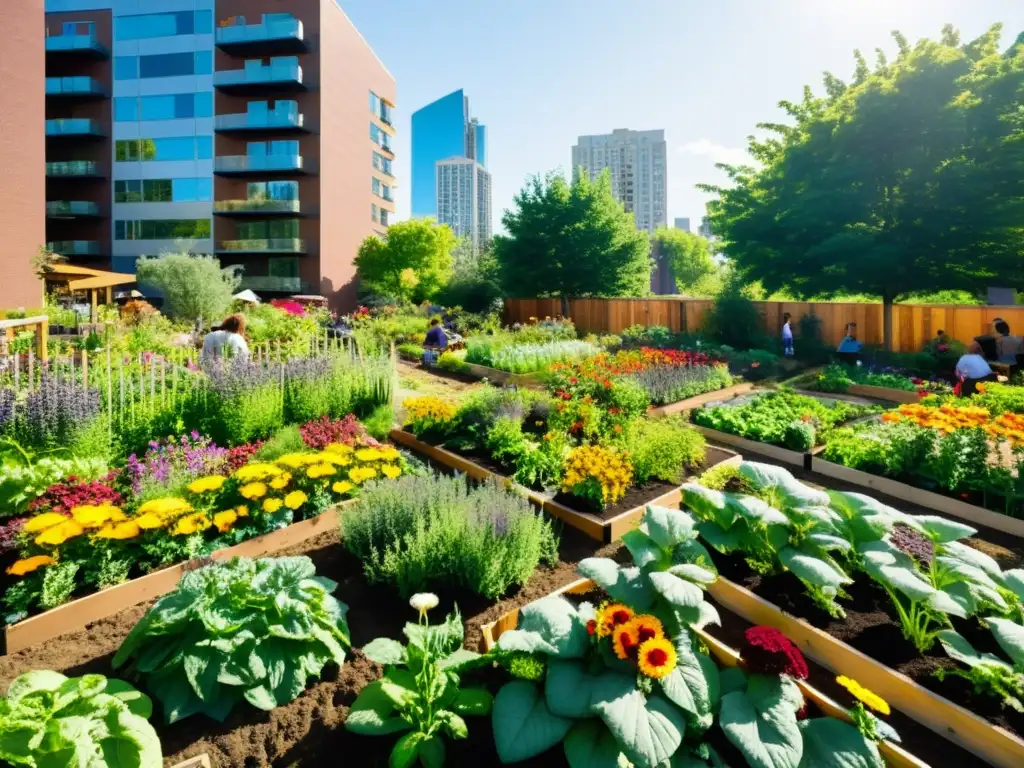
point(571, 240)
point(44, 260)
point(688, 254)
point(411, 263)
point(193, 287)
point(908, 179)
point(474, 285)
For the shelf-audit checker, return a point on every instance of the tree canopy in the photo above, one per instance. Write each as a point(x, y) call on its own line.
point(909, 178)
point(193, 287)
point(571, 240)
point(412, 262)
point(688, 254)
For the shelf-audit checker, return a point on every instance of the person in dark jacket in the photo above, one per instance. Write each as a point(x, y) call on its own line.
point(435, 343)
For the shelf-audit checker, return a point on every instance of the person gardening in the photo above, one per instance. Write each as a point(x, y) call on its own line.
point(226, 341)
point(435, 343)
point(849, 348)
point(971, 369)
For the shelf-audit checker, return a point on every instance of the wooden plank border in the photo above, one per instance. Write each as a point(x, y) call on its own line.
point(698, 400)
point(503, 378)
point(75, 615)
point(894, 755)
point(597, 528)
point(928, 499)
point(884, 393)
point(752, 446)
point(199, 761)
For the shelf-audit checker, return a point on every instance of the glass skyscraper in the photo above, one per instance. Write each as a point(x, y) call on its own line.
point(442, 130)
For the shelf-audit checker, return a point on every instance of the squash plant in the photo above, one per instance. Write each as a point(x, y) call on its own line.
point(48, 720)
point(248, 629)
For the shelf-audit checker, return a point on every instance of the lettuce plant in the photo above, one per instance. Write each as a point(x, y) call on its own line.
point(50, 721)
point(986, 671)
point(420, 692)
point(247, 629)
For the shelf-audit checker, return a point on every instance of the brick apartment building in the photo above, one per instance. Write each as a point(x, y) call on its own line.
point(257, 130)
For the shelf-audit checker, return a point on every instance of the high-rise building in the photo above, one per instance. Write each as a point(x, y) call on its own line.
point(258, 130)
point(22, 153)
point(637, 162)
point(443, 129)
point(464, 199)
point(682, 223)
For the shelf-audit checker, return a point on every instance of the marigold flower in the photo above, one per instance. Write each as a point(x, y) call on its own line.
point(259, 471)
point(207, 484)
point(94, 516)
point(242, 511)
point(863, 695)
point(625, 640)
point(610, 615)
point(295, 499)
point(190, 524)
point(272, 505)
point(224, 520)
point(338, 448)
point(59, 533)
point(656, 658)
point(253, 491)
point(320, 470)
point(126, 530)
point(30, 564)
point(280, 483)
point(150, 521)
point(390, 471)
point(368, 454)
point(767, 651)
point(298, 460)
point(166, 507)
point(342, 487)
point(361, 474)
point(43, 521)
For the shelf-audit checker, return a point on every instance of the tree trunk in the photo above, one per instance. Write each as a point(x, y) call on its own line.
point(887, 298)
point(565, 306)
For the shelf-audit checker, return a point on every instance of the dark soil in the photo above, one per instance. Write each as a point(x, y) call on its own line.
point(308, 731)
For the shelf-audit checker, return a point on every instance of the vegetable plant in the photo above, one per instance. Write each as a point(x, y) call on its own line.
point(987, 672)
point(420, 694)
point(248, 629)
point(48, 720)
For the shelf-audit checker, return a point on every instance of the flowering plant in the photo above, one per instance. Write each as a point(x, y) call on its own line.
point(425, 415)
point(63, 497)
point(169, 465)
point(291, 307)
point(325, 430)
point(766, 651)
point(598, 475)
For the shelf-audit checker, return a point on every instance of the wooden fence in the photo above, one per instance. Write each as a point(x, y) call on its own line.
point(913, 324)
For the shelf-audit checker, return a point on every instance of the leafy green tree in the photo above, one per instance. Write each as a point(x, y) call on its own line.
point(474, 285)
point(411, 263)
point(688, 254)
point(193, 286)
point(571, 240)
point(908, 179)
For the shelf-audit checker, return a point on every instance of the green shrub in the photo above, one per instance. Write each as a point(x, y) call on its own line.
point(247, 629)
point(630, 397)
point(380, 422)
point(285, 440)
point(453, 361)
point(663, 449)
point(48, 719)
point(415, 531)
point(410, 351)
point(648, 336)
point(734, 320)
point(799, 436)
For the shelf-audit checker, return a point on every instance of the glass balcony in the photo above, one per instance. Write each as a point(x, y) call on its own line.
point(83, 45)
point(278, 34)
point(73, 126)
point(239, 165)
point(276, 76)
point(75, 247)
point(278, 284)
point(79, 87)
point(273, 245)
point(70, 209)
point(274, 120)
point(261, 207)
point(73, 168)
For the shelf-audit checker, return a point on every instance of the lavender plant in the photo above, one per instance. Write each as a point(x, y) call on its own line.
point(421, 530)
point(6, 408)
point(671, 383)
point(61, 414)
point(170, 465)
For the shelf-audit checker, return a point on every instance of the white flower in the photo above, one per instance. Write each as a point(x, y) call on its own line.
point(423, 602)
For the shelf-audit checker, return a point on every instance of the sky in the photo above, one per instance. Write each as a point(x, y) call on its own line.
point(540, 73)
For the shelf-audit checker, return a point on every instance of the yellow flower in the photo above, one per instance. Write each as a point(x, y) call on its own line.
point(320, 470)
point(126, 530)
point(30, 564)
point(389, 453)
point(167, 507)
point(207, 484)
point(368, 454)
point(335, 459)
point(224, 520)
point(295, 499)
point(150, 521)
point(647, 627)
point(361, 474)
point(192, 524)
point(60, 533)
point(338, 448)
point(259, 471)
point(625, 640)
point(611, 615)
point(280, 483)
point(656, 658)
point(94, 516)
point(342, 487)
point(272, 505)
point(390, 471)
point(862, 694)
point(43, 521)
point(297, 460)
point(242, 511)
point(253, 491)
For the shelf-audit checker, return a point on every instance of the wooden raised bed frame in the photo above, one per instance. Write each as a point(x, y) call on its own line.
point(597, 528)
point(698, 400)
point(75, 615)
point(199, 761)
point(502, 378)
point(744, 445)
point(894, 755)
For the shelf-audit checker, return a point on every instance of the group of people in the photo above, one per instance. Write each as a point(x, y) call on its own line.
point(1000, 347)
point(848, 350)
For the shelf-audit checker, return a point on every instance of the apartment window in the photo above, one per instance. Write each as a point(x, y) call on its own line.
point(169, 107)
point(163, 65)
point(385, 112)
point(386, 193)
point(383, 217)
point(72, 28)
point(375, 133)
point(373, 211)
point(375, 186)
point(276, 148)
point(287, 266)
point(272, 190)
point(162, 24)
point(161, 229)
point(184, 148)
point(374, 103)
point(270, 229)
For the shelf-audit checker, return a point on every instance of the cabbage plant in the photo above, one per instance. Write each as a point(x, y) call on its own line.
point(247, 629)
point(52, 721)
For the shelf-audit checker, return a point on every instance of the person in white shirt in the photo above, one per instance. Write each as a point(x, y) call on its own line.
point(972, 368)
point(227, 341)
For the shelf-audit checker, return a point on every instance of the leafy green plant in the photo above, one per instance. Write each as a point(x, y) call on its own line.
point(987, 672)
point(248, 629)
point(193, 287)
point(24, 476)
point(286, 440)
point(799, 436)
point(663, 449)
point(420, 693)
point(453, 361)
point(49, 720)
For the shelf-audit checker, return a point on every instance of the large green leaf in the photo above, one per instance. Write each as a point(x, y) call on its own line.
point(755, 511)
point(373, 713)
point(202, 667)
point(813, 570)
point(648, 731)
point(721, 540)
point(832, 743)
point(525, 642)
point(384, 650)
point(473, 701)
point(588, 744)
point(645, 551)
point(772, 478)
point(627, 585)
point(135, 701)
point(693, 573)
point(707, 504)
point(768, 739)
point(941, 531)
point(32, 681)
point(676, 591)
point(1014, 580)
point(972, 556)
point(1010, 637)
point(523, 727)
point(957, 647)
point(406, 751)
point(667, 527)
point(693, 684)
point(559, 623)
point(570, 689)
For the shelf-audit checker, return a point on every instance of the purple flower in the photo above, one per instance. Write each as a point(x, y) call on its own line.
point(53, 414)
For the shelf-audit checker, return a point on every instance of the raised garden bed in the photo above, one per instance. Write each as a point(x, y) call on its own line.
point(697, 401)
point(606, 527)
point(502, 378)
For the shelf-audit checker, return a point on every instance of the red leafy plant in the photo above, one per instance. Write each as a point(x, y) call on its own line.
point(241, 455)
point(63, 497)
point(767, 651)
point(324, 431)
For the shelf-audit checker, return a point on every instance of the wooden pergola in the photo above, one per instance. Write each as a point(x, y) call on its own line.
point(91, 280)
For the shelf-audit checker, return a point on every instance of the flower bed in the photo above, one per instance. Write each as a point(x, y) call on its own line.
point(886, 383)
point(503, 353)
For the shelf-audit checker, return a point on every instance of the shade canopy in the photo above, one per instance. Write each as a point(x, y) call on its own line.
point(247, 296)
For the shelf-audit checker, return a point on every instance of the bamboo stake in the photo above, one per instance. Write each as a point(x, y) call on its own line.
point(110, 399)
point(31, 370)
point(85, 369)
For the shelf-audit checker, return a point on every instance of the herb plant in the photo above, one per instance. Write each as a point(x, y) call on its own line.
point(663, 449)
point(249, 629)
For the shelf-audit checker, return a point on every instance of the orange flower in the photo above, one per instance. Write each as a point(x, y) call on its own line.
point(611, 615)
point(30, 564)
point(625, 640)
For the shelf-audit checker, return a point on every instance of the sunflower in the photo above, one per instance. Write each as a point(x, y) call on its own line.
point(126, 530)
point(43, 521)
point(656, 658)
point(272, 505)
point(342, 487)
point(60, 533)
point(610, 615)
point(390, 471)
point(295, 499)
point(224, 520)
point(150, 521)
point(625, 639)
point(253, 491)
point(207, 484)
point(647, 628)
point(863, 695)
point(30, 564)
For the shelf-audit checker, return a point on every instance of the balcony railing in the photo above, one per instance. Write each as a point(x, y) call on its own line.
point(252, 121)
point(257, 206)
point(272, 245)
point(86, 44)
point(73, 126)
point(276, 74)
point(74, 86)
point(66, 209)
point(75, 247)
point(279, 34)
point(258, 164)
point(73, 168)
point(278, 284)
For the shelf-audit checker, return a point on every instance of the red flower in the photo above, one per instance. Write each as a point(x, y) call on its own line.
point(591, 626)
point(574, 380)
point(767, 651)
